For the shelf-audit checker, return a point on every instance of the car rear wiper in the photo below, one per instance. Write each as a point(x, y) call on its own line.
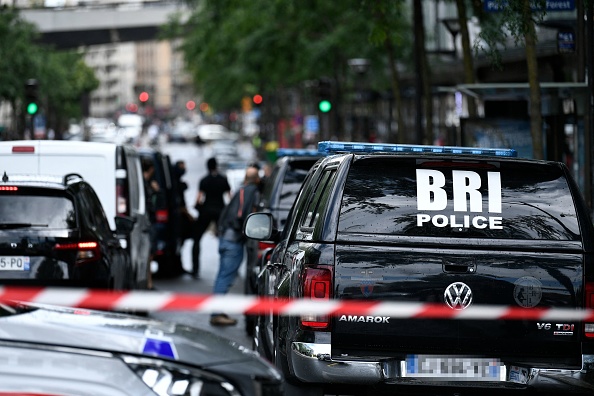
point(12, 226)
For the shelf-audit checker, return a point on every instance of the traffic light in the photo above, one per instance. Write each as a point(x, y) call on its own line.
point(257, 99)
point(143, 97)
point(324, 91)
point(190, 105)
point(31, 97)
point(325, 106)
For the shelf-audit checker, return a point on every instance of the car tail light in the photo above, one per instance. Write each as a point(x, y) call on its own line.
point(589, 304)
point(317, 285)
point(8, 188)
point(162, 215)
point(86, 252)
point(121, 198)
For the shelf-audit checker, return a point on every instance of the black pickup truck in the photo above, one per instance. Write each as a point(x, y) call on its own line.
point(454, 227)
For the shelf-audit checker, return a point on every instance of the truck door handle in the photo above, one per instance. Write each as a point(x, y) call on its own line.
point(459, 268)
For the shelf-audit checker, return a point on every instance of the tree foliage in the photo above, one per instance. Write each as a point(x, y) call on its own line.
point(16, 45)
point(234, 48)
point(62, 77)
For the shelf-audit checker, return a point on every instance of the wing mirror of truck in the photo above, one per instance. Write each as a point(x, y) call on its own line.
point(259, 226)
point(124, 224)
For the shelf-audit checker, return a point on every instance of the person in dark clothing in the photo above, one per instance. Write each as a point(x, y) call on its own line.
point(186, 218)
point(154, 199)
point(232, 240)
point(213, 192)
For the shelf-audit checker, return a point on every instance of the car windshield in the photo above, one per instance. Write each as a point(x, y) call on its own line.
point(35, 210)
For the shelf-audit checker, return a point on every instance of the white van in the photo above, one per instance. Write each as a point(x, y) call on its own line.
point(113, 170)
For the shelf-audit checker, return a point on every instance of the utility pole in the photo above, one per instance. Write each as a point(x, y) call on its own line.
point(418, 24)
point(589, 117)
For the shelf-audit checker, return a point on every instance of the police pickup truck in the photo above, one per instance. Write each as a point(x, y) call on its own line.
point(452, 227)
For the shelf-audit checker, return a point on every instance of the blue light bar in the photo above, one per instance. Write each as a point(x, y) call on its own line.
point(288, 152)
point(330, 147)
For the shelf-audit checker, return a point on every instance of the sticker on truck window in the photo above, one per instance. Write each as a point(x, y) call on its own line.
point(467, 196)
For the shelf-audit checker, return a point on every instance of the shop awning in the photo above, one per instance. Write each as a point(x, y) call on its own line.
point(520, 91)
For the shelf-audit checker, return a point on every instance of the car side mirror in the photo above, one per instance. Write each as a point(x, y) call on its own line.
point(124, 224)
point(259, 226)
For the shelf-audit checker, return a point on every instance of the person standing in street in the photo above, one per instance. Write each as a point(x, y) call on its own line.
point(213, 193)
point(154, 199)
point(232, 240)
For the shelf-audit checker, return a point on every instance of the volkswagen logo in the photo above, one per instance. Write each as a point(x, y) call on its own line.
point(458, 295)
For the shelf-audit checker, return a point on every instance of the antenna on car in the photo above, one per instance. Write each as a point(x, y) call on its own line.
point(5, 177)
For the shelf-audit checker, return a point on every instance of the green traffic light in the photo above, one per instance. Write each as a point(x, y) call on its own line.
point(324, 106)
point(32, 108)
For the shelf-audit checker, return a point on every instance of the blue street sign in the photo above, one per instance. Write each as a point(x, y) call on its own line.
point(551, 5)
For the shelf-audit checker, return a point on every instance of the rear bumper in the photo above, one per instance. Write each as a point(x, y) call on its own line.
point(312, 362)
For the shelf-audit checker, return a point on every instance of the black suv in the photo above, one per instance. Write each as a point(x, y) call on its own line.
point(278, 196)
point(169, 239)
point(441, 228)
point(54, 232)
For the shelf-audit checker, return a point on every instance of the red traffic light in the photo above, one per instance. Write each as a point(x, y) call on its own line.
point(190, 105)
point(257, 99)
point(143, 97)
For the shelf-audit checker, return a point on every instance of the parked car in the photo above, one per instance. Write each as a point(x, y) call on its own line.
point(279, 194)
point(169, 238)
point(182, 131)
point(211, 132)
point(452, 226)
point(54, 232)
point(50, 350)
point(114, 172)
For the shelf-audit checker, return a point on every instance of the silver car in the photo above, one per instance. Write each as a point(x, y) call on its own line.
point(63, 351)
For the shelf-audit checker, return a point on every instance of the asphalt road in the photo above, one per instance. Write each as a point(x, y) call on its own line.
point(195, 158)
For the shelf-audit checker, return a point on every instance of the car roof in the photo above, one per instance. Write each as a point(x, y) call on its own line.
point(41, 180)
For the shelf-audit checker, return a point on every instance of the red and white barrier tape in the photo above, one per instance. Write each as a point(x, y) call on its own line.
point(240, 304)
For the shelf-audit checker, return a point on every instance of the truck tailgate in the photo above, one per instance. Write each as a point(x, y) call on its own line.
point(456, 277)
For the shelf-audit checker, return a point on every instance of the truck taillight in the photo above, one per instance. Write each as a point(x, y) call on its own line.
point(121, 198)
point(317, 285)
point(162, 215)
point(86, 252)
point(589, 304)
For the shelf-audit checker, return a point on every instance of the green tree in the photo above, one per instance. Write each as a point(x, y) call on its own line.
point(235, 48)
point(69, 78)
point(17, 45)
point(62, 76)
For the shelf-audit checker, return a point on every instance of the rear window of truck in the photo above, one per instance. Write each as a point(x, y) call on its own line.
point(454, 198)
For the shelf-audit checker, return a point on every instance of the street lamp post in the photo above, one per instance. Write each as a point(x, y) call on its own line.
point(359, 66)
point(453, 26)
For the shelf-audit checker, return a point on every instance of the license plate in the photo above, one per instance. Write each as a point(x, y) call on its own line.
point(438, 367)
point(14, 263)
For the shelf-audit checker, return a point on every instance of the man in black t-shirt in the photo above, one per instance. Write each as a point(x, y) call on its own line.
point(213, 192)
